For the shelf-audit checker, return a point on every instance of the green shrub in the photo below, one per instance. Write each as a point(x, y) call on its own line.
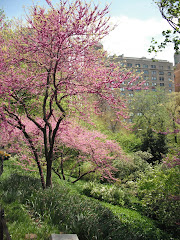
point(158, 190)
point(129, 170)
point(114, 194)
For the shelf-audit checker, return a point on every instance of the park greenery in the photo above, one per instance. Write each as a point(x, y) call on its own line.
point(70, 160)
point(170, 11)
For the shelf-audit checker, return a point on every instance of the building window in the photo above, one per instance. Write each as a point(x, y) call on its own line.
point(169, 67)
point(146, 77)
point(137, 65)
point(138, 70)
point(154, 84)
point(153, 72)
point(169, 79)
point(170, 85)
point(146, 84)
point(161, 67)
point(161, 73)
point(170, 90)
point(169, 73)
point(131, 94)
point(139, 114)
point(153, 66)
point(161, 84)
point(145, 66)
point(146, 72)
point(122, 89)
point(129, 64)
point(154, 78)
point(161, 78)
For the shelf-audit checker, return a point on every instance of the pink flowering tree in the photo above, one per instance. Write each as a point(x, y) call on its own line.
point(50, 71)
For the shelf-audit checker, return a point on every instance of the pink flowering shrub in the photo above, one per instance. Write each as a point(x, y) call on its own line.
point(91, 147)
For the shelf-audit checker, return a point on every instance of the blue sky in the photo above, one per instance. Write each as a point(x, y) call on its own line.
point(142, 9)
point(138, 21)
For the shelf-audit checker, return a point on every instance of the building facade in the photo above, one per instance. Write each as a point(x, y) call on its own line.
point(155, 73)
point(177, 77)
point(177, 72)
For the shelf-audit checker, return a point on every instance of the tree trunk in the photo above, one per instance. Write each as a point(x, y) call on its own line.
point(175, 135)
point(1, 165)
point(35, 156)
point(62, 169)
point(49, 173)
point(41, 174)
point(84, 174)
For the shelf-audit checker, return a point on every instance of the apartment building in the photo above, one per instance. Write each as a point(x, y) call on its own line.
point(155, 73)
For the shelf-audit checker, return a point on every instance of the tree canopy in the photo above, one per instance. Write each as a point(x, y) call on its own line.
point(170, 11)
point(50, 70)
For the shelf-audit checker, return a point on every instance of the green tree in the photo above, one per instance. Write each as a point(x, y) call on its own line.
point(170, 11)
point(173, 108)
point(150, 120)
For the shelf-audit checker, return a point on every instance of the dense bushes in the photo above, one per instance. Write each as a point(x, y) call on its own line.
point(158, 190)
point(154, 191)
point(130, 169)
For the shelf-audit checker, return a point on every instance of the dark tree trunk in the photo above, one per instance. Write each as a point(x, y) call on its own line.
point(1, 165)
point(62, 169)
point(3, 226)
point(84, 174)
point(35, 156)
point(49, 173)
point(175, 135)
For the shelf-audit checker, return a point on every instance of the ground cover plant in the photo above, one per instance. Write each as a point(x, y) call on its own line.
point(31, 210)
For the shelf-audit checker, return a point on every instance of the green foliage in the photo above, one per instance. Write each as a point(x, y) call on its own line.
point(130, 169)
point(111, 194)
point(140, 226)
point(155, 144)
point(158, 190)
point(128, 141)
point(150, 118)
point(29, 209)
point(170, 11)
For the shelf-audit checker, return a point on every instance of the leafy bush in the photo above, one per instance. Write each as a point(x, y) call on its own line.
point(158, 190)
point(155, 143)
point(111, 194)
point(130, 169)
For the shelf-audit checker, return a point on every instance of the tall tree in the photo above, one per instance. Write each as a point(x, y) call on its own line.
point(49, 70)
point(151, 120)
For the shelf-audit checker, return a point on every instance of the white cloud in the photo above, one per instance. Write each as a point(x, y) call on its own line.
point(132, 37)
